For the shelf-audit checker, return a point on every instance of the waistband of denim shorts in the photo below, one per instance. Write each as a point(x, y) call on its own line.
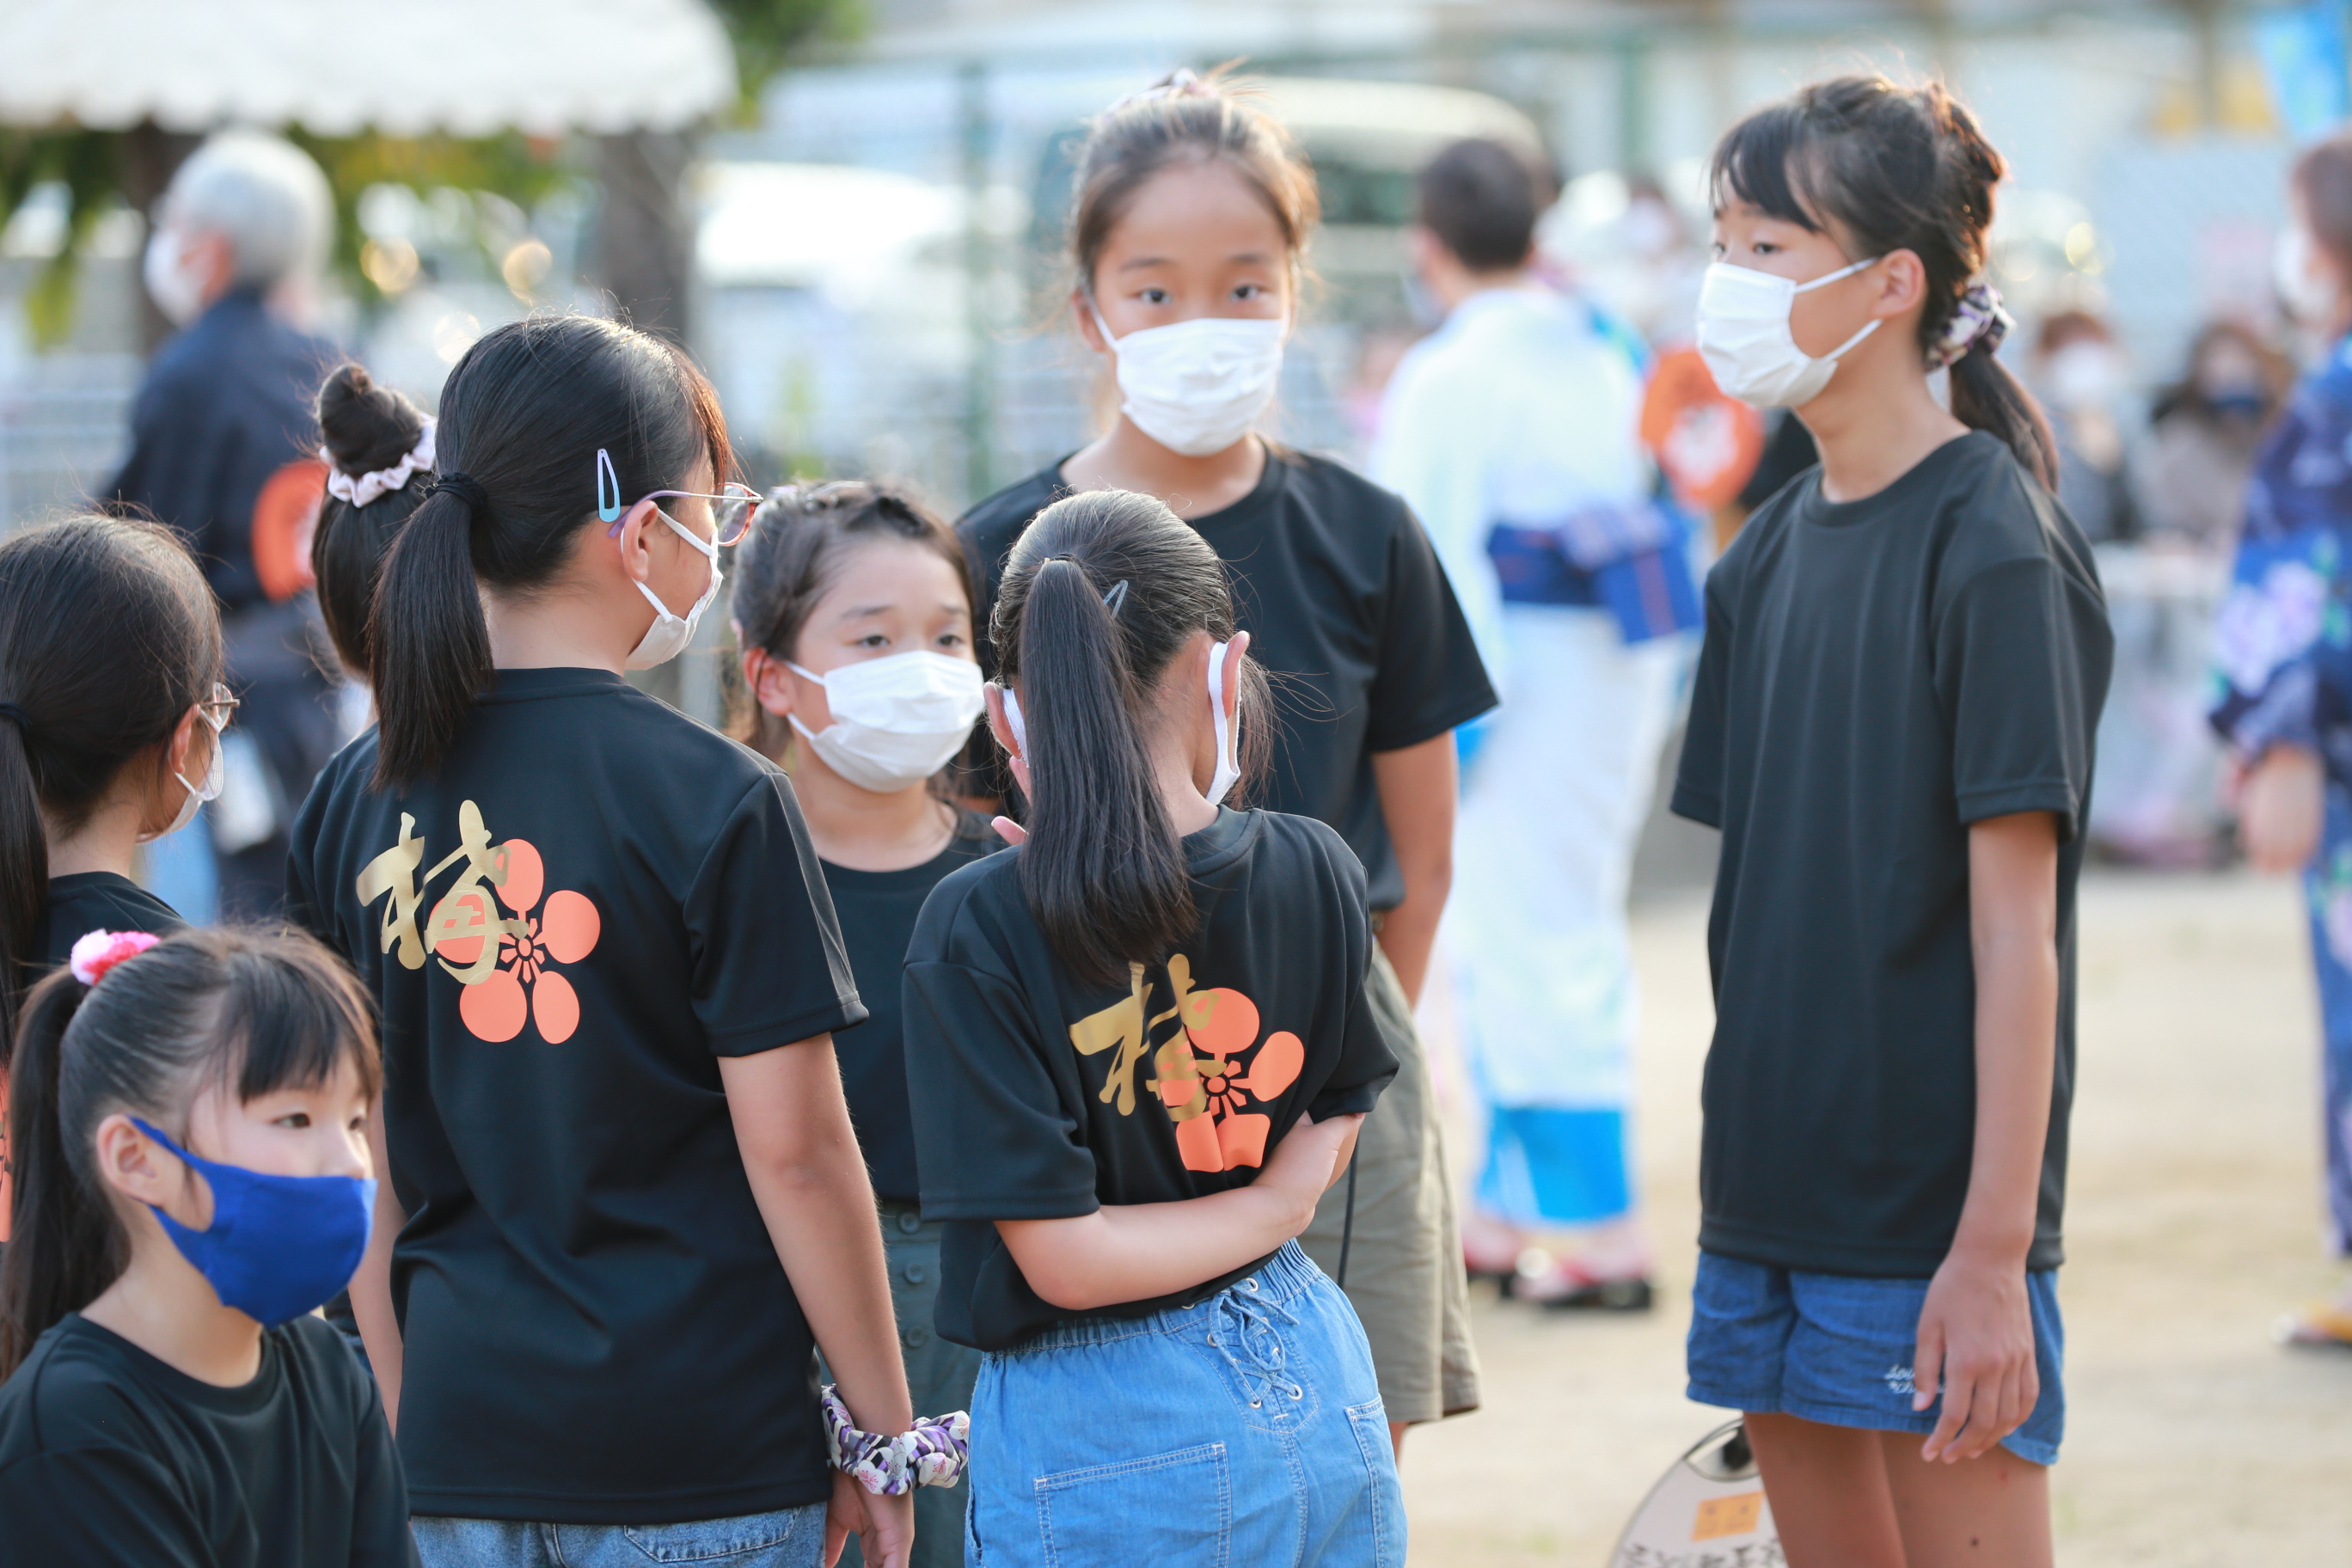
point(1288, 1273)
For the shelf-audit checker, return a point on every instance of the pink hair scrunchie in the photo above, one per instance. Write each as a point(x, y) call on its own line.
point(100, 950)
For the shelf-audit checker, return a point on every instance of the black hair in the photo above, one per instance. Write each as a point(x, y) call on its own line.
point(1480, 199)
point(523, 415)
point(250, 1012)
point(1103, 870)
point(788, 560)
point(1896, 168)
point(108, 636)
point(1186, 119)
point(368, 428)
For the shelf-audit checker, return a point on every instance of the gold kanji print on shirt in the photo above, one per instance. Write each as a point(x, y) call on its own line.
point(483, 928)
point(1205, 1095)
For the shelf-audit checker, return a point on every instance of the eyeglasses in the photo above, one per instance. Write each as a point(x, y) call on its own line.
point(219, 708)
point(731, 508)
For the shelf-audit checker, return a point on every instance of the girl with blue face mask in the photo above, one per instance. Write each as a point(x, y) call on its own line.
point(853, 613)
point(194, 1178)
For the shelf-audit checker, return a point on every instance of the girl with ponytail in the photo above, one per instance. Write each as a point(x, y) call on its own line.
point(193, 1179)
point(380, 445)
point(1906, 651)
point(1138, 1048)
point(110, 712)
point(625, 1203)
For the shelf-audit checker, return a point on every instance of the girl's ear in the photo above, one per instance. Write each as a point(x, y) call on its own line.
point(174, 762)
point(768, 681)
point(636, 559)
point(1903, 284)
point(1089, 329)
point(998, 725)
point(129, 1162)
point(1231, 678)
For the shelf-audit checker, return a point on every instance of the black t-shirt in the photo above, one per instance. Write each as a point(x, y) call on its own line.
point(109, 1459)
point(877, 910)
point(1342, 594)
point(1038, 1096)
point(1877, 675)
point(598, 1329)
point(86, 902)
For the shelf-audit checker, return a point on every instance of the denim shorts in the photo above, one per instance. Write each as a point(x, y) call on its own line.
point(1246, 1431)
point(790, 1538)
point(1836, 1349)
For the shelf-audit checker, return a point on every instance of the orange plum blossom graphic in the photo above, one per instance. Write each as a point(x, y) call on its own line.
point(506, 964)
point(1206, 1095)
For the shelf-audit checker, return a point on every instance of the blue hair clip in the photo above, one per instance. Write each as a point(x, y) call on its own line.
point(607, 510)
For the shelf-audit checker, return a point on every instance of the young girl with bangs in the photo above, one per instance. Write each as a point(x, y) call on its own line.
point(1139, 1047)
point(853, 614)
point(625, 1205)
point(188, 1125)
point(1188, 237)
point(1905, 655)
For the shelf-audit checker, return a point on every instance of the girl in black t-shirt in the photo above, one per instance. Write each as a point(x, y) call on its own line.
point(193, 1179)
point(111, 712)
point(1906, 650)
point(1137, 1049)
point(624, 1204)
point(1191, 215)
point(853, 613)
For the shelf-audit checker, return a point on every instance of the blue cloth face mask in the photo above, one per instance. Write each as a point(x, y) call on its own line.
point(278, 1246)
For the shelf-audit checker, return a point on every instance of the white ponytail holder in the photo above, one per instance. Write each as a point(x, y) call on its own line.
point(360, 489)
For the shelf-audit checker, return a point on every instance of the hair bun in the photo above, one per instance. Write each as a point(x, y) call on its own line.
point(366, 427)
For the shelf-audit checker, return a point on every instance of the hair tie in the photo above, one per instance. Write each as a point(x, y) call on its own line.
point(97, 952)
point(465, 487)
point(933, 1452)
point(361, 489)
point(1979, 321)
point(18, 717)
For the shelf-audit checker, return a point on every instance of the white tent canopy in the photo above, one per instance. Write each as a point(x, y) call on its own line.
point(335, 66)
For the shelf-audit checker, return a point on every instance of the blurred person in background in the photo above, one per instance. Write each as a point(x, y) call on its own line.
point(2284, 644)
point(223, 450)
point(2080, 371)
point(2205, 429)
point(1513, 431)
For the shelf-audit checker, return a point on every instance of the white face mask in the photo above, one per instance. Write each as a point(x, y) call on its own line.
point(896, 720)
point(1227, 773)
point(1743, 335)
point(198, 795)
point(2303, 284)
point(170, 282)
point(1194, 387)
point(667, 636)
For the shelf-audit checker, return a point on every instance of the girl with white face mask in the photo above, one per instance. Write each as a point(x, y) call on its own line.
point(1192, 217)
point(853, 618)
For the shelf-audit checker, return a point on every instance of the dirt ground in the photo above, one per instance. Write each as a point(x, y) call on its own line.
point(2192, 1222)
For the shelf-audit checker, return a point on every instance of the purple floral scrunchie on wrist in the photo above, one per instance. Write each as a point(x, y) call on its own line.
point(1978, 326)
point(931, 1453)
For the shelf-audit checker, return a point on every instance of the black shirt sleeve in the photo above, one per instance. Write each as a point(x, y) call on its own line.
point(1698, 778)
point(1366, 1064)
point(380, 1536)
point(1430, 678)
point(2010, 676)
point(768, 966)
point(97, 1508)
point(992, 1138)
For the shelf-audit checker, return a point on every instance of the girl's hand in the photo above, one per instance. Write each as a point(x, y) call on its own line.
point(1307, 1162)
point(1976, 1342)
point(2282, 804)
point(885, 1526)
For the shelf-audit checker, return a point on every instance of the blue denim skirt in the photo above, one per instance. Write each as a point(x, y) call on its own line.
point(1244, 1430)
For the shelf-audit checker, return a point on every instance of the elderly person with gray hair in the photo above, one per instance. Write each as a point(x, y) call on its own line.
point(224, 440)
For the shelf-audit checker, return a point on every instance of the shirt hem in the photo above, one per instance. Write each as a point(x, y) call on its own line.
point(2004, 800)
point(1028, 1205)
point(655, 1508)
point(1459, 715)
point(752, 1041)
point(1809, 1256)
point(1689, 804)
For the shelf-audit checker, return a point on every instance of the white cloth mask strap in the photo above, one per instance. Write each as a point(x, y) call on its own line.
point(1829, 278)
point(1013, 722)
point(1222, 782)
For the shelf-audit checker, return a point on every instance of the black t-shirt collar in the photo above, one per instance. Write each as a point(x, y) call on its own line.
point(527, 685)
point(160, 1374)
point(1260, 499)
point(1916, 481)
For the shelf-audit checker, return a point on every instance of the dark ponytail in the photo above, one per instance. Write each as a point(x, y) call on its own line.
point(1099, 593)
point(108, 636)
point(1896, 168)
point(522, 418)
point(369, 429)
point(248, 1012)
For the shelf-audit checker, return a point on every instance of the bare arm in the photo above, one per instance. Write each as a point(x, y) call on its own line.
point(371, 1286)
point(1133, 1252)
point(1976, 1332)
point(1418, 786)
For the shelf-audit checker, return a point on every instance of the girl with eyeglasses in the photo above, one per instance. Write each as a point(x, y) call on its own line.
point(623, 1204)
point(111, 712)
